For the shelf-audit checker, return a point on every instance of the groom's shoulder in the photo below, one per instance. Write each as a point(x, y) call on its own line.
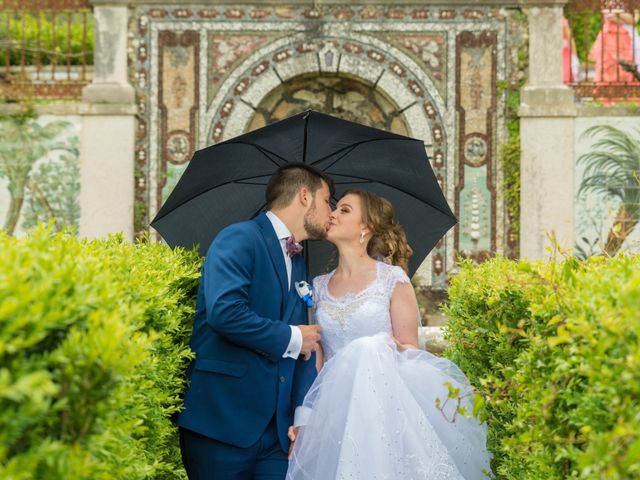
point(247, 229)
point(235, 236)
point(248, 226)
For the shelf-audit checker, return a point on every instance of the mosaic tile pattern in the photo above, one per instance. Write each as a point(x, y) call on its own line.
point(475, 204)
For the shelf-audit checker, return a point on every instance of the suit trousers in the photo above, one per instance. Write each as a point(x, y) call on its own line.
point(207, 459)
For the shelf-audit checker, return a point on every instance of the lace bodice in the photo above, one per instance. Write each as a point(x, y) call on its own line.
point(355, 315)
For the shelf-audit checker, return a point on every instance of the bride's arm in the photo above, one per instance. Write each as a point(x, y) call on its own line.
point(404, 307)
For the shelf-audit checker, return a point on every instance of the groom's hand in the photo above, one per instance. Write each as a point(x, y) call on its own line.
point(310, 339)
point(292, 434)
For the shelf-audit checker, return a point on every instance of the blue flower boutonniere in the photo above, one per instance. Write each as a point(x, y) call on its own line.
point(305, 293)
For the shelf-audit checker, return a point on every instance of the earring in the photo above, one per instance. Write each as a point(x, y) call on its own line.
point(361, 238)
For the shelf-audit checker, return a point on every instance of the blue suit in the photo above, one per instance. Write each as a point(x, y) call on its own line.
point(239, 383)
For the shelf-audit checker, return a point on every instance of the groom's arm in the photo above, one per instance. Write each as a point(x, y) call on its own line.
point(227, 273)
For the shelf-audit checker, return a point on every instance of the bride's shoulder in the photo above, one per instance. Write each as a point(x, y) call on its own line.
point(389, 268)
point(392, 274)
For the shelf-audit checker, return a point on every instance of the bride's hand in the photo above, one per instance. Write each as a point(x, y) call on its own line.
point(404, 346)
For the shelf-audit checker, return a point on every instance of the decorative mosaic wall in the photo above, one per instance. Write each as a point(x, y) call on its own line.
point(204, 75)
point(476, 107)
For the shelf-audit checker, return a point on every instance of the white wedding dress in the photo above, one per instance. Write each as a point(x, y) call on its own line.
point(372, 410)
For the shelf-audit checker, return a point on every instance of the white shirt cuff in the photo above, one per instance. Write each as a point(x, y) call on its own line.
point(301, 416)
point(295, 343)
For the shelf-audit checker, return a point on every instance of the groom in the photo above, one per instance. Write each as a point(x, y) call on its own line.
point(254, 352)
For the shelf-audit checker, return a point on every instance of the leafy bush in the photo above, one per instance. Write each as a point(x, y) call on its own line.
point(92, 350)
point(35, 36)
point(553, 351)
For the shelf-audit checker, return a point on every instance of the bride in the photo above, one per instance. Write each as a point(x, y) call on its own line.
point(380, 408)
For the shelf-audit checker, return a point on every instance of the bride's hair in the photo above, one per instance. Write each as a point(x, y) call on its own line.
point(388, 240)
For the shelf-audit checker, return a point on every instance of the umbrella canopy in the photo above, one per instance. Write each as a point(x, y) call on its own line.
point(226, 182)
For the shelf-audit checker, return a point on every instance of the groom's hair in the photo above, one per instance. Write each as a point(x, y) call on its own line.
point(289, 179)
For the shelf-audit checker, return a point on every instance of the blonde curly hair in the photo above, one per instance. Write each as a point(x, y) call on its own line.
point(388, 239)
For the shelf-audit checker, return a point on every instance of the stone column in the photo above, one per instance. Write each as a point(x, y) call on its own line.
point(547, 114)
point(108, 127)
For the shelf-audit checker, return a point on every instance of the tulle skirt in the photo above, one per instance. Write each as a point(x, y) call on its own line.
point(373, 413)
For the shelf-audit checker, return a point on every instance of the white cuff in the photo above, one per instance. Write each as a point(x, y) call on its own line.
point(301, 416)
point(295, 343)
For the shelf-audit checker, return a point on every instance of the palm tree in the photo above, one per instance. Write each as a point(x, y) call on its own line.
point(612, 169)
point(22, 143)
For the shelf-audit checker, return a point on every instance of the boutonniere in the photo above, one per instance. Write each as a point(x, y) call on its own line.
point(305, 293)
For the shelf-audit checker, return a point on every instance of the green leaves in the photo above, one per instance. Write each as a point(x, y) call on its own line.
point(45, 43)
point(93, 345)
point(24, 141)
point(553, 350)
point(612, 169)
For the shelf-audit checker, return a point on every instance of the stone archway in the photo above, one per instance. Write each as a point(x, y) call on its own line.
point(361, 57)
point(373, 73)
point(345, 97)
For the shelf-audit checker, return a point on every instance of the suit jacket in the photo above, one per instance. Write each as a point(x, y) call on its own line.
point(239, 378)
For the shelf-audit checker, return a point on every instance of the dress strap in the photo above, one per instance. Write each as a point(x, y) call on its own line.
point(320, 285)
point(393, 275)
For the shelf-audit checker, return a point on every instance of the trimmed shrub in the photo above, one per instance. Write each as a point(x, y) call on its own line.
point(93, 347)
point(553, 351)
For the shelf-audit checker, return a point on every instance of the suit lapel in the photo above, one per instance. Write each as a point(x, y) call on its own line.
point(275, 251)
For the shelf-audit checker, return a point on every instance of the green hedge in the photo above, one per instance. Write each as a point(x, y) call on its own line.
point(553, 350)
point(92, 349)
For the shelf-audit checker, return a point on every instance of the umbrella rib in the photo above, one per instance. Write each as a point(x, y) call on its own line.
point(347, 183)
point(266, 152)
point(259, 210)
point(243, 182)
point(304, 146)
point(347, 152)
point(239, 180)
point(354, 145)
point(417, 198)
point(263, 150)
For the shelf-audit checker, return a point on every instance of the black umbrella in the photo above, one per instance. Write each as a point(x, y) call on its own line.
point(225, 183)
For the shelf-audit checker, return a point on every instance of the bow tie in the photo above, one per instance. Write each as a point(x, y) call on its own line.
point(293, 247)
